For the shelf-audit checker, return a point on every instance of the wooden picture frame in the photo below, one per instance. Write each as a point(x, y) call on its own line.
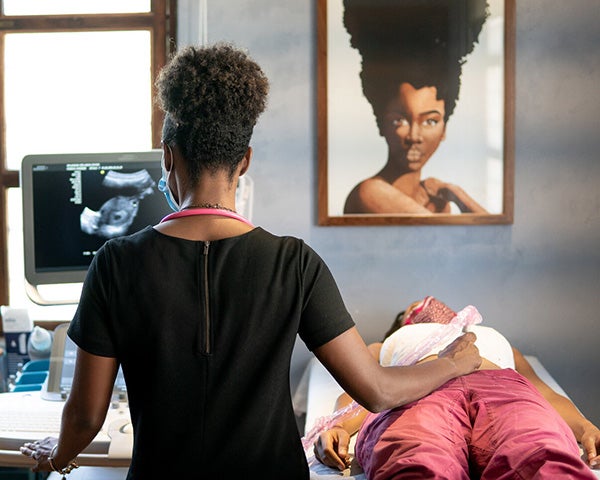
point(477, 150)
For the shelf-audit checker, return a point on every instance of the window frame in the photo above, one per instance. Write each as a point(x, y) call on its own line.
point(160, 21)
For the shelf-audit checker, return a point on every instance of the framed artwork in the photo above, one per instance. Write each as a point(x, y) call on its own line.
point(415, 112)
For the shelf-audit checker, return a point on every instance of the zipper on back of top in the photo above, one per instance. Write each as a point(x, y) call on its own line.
point(206, 348)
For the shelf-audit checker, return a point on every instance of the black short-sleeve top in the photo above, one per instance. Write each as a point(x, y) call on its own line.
point(204, 332)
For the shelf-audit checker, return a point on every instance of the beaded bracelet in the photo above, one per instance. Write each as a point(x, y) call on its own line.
point(63, 471)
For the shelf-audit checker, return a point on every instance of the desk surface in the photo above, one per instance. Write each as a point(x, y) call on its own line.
point(93, 473)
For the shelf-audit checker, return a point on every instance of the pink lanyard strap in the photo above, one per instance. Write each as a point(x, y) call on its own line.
point(206, 211)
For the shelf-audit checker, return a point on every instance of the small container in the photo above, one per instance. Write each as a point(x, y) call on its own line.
point(39, 345)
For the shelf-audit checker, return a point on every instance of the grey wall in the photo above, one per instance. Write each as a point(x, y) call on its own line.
point(537, 280)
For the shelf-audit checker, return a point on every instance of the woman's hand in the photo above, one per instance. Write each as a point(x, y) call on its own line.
point(463, 353)
point(40, 451)
point(434, 187)
point(590, 441)
point(437, 192)
point(441, 193)
point(331, 448)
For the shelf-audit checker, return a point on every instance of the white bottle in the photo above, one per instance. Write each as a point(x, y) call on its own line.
point(39, 345)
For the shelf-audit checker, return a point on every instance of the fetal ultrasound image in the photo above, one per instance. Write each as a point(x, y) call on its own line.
point(116, 215)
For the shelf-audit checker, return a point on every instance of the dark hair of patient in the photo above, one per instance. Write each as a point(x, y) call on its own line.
point(395, 325)
point(413, 42)
point(212, 97)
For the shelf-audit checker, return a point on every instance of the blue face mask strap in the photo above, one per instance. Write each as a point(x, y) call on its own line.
point(164, 188)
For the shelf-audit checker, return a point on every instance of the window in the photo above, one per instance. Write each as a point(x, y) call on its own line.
point(74, 77)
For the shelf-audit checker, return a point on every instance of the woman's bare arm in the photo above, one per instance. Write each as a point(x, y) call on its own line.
point(375, 195)
point(585, 431)
point(379, 388)
point(332, 445)
point(450, 192)
point(86, 406)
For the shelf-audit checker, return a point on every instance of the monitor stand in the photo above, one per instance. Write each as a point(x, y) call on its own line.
point(34, 294)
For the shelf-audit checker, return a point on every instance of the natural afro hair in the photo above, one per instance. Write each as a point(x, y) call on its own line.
point(212, 97)
point(422, 42)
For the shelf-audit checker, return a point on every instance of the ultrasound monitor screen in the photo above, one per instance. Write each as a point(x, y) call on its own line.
point(74, 203)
